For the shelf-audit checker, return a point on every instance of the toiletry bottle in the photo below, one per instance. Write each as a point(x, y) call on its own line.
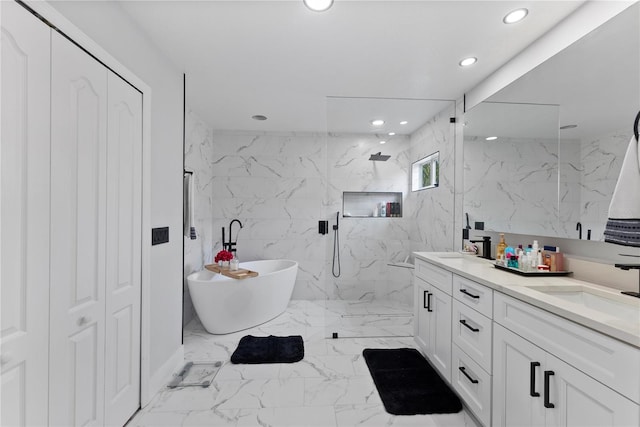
point(539, 259)
point(383, 209)
point(501, 247)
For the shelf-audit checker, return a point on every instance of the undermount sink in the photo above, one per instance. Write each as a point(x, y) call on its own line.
point(608, 303)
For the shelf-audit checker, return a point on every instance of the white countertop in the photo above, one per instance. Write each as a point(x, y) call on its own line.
point(484, 272)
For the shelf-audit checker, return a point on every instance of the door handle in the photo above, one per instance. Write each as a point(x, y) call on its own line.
point(83, 320)
point(466, 292)
point(532, 382)
point(464, 322)
point(464, 371)
point(424, 299)
point(547, 404)
point(429, 309)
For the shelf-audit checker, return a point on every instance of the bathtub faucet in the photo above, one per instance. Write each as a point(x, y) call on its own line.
point(230, 245)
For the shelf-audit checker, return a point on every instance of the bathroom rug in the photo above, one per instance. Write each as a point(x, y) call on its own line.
point(407, 384)
point(271, 349)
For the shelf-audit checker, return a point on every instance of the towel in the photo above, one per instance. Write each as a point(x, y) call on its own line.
point(623, 226)
point(189, 223)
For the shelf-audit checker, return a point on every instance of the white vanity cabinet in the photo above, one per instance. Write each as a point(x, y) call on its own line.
point(432, 320)
point(533, 386)
point(472, 345)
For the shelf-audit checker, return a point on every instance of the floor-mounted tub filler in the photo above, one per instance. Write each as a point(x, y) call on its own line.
point(225, 305)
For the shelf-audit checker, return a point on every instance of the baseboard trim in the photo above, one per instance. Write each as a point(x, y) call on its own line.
point(159, 379)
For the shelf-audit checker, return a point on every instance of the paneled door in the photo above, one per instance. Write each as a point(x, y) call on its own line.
point(124, 194)
point(78, 235)
point(24, 218)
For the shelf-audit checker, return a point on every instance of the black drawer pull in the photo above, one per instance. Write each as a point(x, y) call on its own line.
point(532, 382)
point(464, 371)
point(424, 299)
point(429, 309)
point(464, 291)
point(464, 322)
point(547, 404)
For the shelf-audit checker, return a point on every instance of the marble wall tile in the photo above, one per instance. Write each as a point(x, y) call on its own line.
point(198, 156)
point(433, 209)
point(512, 184)
point(280, 184)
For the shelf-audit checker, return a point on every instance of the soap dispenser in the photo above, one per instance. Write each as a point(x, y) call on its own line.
point(501, 247)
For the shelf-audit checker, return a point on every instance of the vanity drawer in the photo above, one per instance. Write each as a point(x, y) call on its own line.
point(473, 384)
point(612, 362)
point(438, 277)
point(473, 294)
point(472, 332)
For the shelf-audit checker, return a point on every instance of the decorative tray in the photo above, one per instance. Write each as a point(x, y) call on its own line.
point(532, 273)
point(240, 273)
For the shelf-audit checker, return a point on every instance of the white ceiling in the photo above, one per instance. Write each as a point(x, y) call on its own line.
point(594, 84)
point(281, 60)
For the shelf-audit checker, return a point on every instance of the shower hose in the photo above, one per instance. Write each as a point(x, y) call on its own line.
point(335, 267)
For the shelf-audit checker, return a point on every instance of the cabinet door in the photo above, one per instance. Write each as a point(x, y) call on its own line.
point(78, 228)
point(517, 380)
point(421, 314)
point(440, 332)
point(124, 154)
point(580, 401)
point(24, 225)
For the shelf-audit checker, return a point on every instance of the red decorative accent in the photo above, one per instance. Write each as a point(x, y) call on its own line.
point(223, 256)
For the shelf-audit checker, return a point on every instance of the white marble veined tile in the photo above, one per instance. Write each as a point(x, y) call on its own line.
point(344, 391)
point(288, 417)
point(238, 372)
point(260, 393)
point(319, 366)
point(185, 398)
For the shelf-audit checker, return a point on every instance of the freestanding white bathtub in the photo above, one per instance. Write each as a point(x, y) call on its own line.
point(227, 305)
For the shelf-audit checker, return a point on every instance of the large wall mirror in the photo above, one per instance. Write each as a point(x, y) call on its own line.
point(543, 154)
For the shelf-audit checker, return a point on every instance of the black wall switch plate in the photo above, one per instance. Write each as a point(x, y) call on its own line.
point(159, 235)
point(323, 227)
point(479, 225)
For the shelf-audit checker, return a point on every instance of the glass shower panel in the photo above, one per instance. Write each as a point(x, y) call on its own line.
point(369, 270)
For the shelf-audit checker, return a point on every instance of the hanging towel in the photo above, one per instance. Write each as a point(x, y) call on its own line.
point(623, 226)
point(189, 223)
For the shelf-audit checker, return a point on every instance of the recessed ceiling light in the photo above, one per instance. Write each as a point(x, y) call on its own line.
point(515, 16)
point(391, 133)
point(491, 138)
point(318, 5)
point(377, 122)
point(404, 122)
point(568, 127)
point(468, 61)
point(259, 117)
point(383, 142)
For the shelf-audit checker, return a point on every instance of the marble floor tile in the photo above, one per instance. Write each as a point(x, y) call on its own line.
point(330, 387)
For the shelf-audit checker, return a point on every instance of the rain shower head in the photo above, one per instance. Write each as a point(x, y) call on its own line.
point(379, 157)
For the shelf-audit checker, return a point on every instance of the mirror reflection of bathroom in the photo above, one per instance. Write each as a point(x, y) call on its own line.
point(576, 109)
point(371, 145)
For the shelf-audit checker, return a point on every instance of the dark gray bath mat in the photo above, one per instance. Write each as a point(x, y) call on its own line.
point(269, 349)
point(407, 384)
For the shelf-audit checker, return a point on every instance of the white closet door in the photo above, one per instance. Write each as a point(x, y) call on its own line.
point(24, 217)
point(124, 192)
point(78, 231)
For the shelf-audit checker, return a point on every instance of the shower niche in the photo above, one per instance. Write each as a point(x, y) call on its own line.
point(371, 204)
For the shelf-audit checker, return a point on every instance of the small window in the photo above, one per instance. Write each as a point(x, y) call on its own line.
point(425, 173)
